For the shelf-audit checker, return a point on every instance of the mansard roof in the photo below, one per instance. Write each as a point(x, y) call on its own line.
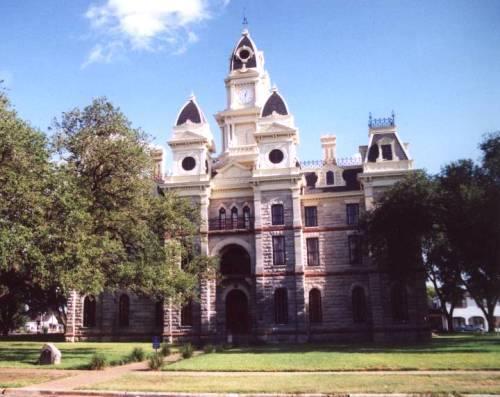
point(192, 112)
point(244, 43)
point(274, 103)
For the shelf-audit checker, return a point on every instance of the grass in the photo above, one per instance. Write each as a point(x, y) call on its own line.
point(74, 355)
point(443, 353)
point(306, 383)
point(15, 379)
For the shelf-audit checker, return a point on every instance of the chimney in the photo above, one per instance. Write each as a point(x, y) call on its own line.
point(329, 145)
point(157, 157)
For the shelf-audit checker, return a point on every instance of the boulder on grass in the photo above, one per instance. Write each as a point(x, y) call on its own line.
point(49, 354)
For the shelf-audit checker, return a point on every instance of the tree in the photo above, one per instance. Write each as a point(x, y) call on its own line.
point(470, 213)
point(110, 164)
point(399, 224)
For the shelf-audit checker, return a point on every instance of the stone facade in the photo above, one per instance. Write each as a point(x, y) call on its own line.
point(285, 231)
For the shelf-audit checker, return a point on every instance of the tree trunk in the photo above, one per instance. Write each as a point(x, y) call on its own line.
point(449, 319)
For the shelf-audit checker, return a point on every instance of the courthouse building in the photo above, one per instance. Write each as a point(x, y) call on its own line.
point(286, 231)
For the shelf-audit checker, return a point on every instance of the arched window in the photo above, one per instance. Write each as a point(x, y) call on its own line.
point(277, 214)
point(311, 179)
point(330, 180)
point(123, 311)
point(315, 309)
point(281, 306)
point(246, 216)
point(89, 311)
point(399, 303)
point(159, 313)
point(222, 218)
point(359, 309)
point(187, 314)
point(234, 217)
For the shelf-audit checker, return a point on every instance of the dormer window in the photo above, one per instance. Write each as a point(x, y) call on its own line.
point(330, 178)
point(387, 152)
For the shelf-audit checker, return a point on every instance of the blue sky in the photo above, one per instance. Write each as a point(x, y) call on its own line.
point(436, 63)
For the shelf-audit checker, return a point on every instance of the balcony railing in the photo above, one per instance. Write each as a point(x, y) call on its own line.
point(231, 223)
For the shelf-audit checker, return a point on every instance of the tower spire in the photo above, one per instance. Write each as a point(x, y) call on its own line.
point(245, 20)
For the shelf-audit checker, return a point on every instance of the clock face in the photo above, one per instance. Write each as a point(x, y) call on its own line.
point(245, 95)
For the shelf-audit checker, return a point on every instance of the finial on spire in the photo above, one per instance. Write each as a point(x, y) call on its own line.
point(192, 96)
point(245, 20)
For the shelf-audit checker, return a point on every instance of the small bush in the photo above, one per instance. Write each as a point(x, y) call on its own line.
point(219, 348)
point(98, 361)
point(137, 354)
point(155, 361)
point(165, 350)
point(187, 350)
point(208, 348)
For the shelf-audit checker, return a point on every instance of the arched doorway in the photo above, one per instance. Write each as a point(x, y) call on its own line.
point(234, 261)
point(237, 321)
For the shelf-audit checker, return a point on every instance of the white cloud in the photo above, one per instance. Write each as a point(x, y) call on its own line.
point(151, 25)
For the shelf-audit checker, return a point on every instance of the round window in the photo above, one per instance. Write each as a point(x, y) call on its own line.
point(244, 55)
point(188, 163)
point(276, 156)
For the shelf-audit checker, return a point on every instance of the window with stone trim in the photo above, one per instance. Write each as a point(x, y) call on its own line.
point(354, 242)
point(124, 311)
point(352, 213)
point(281, 306)
point(312, 245)
point(279, 250)
point(359, 307)
point(399, 303)
point(330, 178)
point(159, 313)
point(222, 218)
point(277, 214)
point(315, 308)
point(311, 216)
point(246, 216)
point(234, 217)
point(187, 314)
point(89, 311)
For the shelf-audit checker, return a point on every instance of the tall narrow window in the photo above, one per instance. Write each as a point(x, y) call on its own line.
point(187, 314)
point(354, 249)
point(311, 216)
point(159, 313)
point(246, 217)
point(352, 212)
point(330, 178)
point(315, 309)
point(281, 306)
point(278, 250)
point(399, 303)
point(222, 218)
point(234, 217)
point(387, 152)
point(123, 311)
point(312, 251)
point(277, 214)
point(89, 311)
point(359, 309)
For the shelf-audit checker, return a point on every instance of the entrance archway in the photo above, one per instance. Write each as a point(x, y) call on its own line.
point(237, 318)
point(234, 261)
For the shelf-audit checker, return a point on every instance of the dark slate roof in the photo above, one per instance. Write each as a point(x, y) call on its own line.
point(398, 148)
point(236, 62)
point(189, 112)
point(274, 104)
point(350, 176)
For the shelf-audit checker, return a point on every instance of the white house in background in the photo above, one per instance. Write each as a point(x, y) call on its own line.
point(467, 312)
point(37, 324)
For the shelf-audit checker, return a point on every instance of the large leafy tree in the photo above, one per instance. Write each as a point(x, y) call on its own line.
point(110, 164)
point(470, 205)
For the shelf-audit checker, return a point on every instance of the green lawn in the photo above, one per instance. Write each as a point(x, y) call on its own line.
point(74, 355)
point(450, 352)
point(307, 383)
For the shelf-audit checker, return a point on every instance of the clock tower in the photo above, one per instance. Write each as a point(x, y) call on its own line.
point(247, 88)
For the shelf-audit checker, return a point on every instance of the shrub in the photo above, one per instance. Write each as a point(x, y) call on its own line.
point(137, 354)
point(187, 350)
point(165, 350)
point(98, 361)
point(219, 348)
point(155, 361)
point(208, 348)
